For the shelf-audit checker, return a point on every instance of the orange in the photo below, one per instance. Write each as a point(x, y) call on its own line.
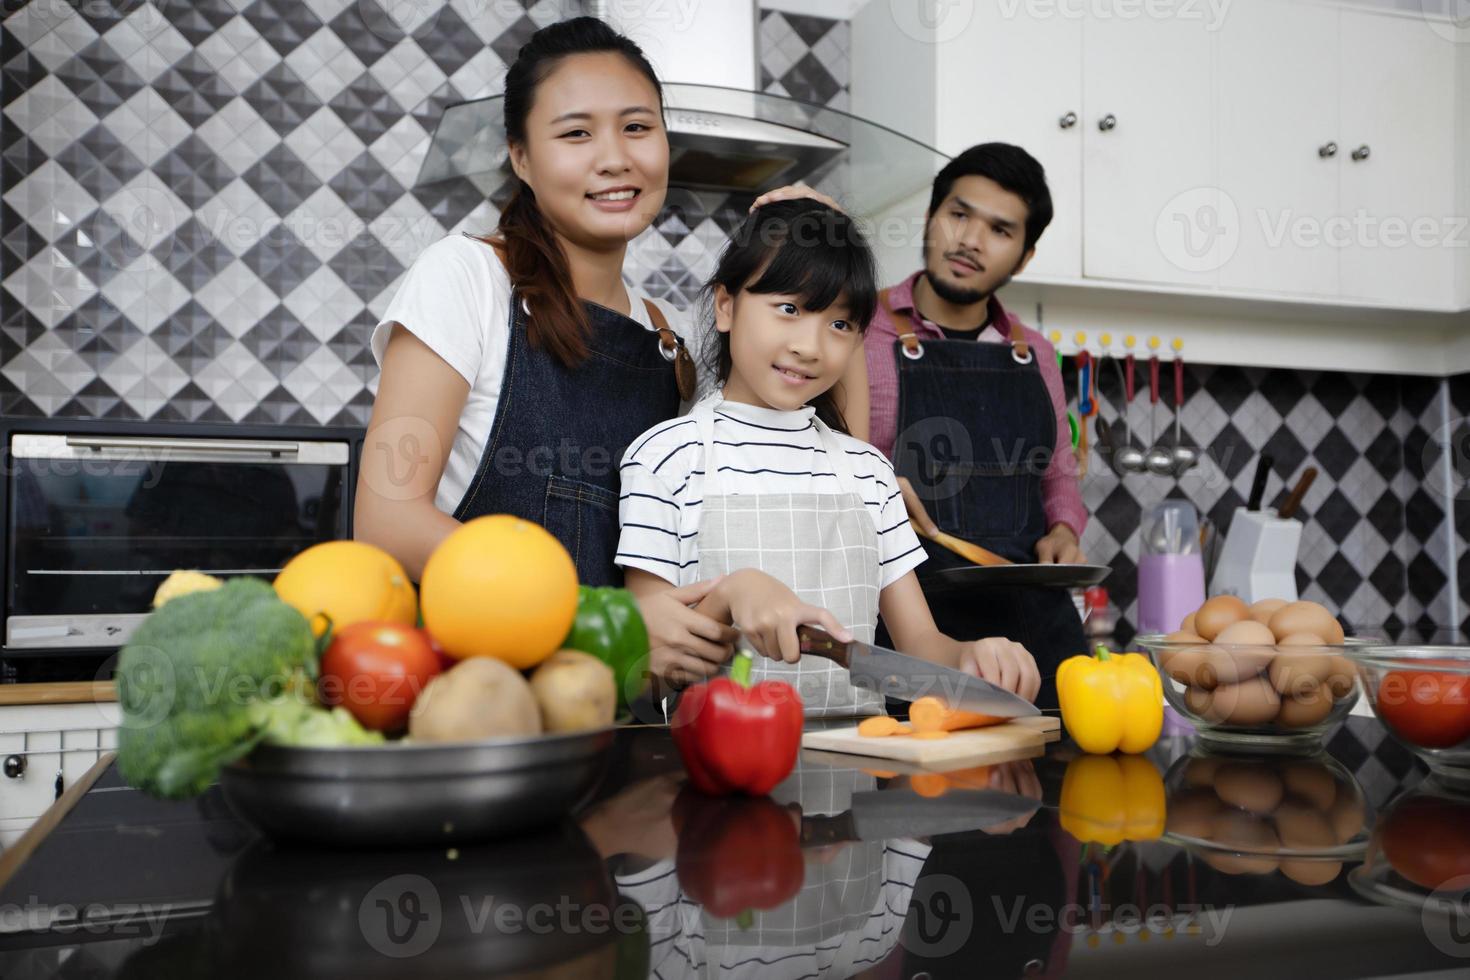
point(500, 587)
point(347, 582)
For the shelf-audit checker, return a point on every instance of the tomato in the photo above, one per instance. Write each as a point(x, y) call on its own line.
point(445, 660)
point(376, 670)
point(1429, 709)
point(1427, 840)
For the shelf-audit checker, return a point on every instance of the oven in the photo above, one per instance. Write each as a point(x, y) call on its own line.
point(97, 514)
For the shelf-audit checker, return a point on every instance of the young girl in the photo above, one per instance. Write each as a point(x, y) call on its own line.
point(761, 483)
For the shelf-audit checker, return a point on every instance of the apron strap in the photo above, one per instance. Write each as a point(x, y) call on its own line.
point(841, 465)
point(1020, 347)
point(904, 326)
point(704, 416)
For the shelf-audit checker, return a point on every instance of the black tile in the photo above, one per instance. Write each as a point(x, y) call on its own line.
point(1347, 749)
point(19, 155)
point(1288, 452)
point(508, 44)
point(270, 337)
point(97, 331)
point(367, 187)
point(282, 99)
point(1459, 386)
point(198, 19)
point(1421, 453)
point(104, 16)
point(97, 400)
point(99, 247)
point(366, 266)
point(1335, 454)
point(1387, 516)
point(285, 23)
point(810, 80)
point(431, 109)
point(1386, 454)
point(1283, 390)
point(191, 404)
point(1227, 385)
point(281, 179)
point(281, 261)
point(1339, 579)
point(193, 172)
point(450, 42)
point(99, 77)
point(1230, 451)
point(100, 162)
point(351, 345)
point(1395, 758)
point(17, 238)
point(449, 200)
point(194, 89)
point(810, 29)
point(1390, 578)
point(1426, 579)
point(1383, 393)
point(366, 107)
point(191, 337)
point(1119, 513)
point(276, 408)
point(1335, 391)
point(1338, 516)
point(1423, 515)
point(193, 255)
point(19, 71)
point(367, 31)
point(1418, 393)
point(15, 404)
point(18, 325)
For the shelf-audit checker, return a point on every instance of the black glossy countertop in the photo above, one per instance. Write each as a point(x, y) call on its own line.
point(890, 875)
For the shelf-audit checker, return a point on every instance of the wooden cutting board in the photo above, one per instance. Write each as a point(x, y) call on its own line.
point(1019, 739)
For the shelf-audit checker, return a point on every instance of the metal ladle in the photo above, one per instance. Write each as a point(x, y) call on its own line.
point(1160, 459)
point(1184, 458)
point(1127, 458)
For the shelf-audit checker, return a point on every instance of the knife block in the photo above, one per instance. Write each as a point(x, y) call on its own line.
point(1258, 560)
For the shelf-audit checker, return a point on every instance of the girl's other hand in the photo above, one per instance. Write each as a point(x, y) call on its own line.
point(1003, 663)
point(685, 646)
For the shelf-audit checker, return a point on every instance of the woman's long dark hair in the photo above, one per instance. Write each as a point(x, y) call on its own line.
point(534, 259)
point(800, 248)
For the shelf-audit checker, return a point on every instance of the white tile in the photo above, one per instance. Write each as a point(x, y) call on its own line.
point(378, 305)
point(127, 374)
point(1361, 423)
point(147, 42)
point(482, 75)
point(408, 73)
point(48, 372)
point(165, 377)
point(487, 20)
point(51, 32)
point(50, 286)
point(401, 148)
point(238, 135)
point(324, 223)
point(237, 217)
point(147, 210)
point(1256, 419)
point(237, 298)
point(405, 229)
point(323, 303)
point(50, 115)
point(1308, 421)
point(1362, 484)
point(325, 64)
point(147, 125)
point(324, 143)
point(327, 10)
point(145, 292)
point(238, 53)
point(235, 380)
point(1316, 548)
point(51, 201)
point(322, 383)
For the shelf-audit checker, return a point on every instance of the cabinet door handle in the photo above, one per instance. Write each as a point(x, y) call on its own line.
point(15, 766)
point(1068, 121)
point(1108, 122)
point(1327, 150)
point(1361, 153)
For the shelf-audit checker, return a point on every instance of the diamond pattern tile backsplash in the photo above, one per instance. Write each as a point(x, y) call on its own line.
point(205, 204)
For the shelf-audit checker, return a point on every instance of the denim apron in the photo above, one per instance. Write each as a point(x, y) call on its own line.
point(976, 431)
point(559, 432)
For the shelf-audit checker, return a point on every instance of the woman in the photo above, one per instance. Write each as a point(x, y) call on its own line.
point(517, 369)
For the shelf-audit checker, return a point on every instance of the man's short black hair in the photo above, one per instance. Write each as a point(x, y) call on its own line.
point(1012, 168)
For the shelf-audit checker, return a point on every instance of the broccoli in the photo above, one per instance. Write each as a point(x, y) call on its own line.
point(194, 680)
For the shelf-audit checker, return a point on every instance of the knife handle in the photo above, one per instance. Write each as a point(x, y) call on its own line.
point(819, 831)
point(819, 643)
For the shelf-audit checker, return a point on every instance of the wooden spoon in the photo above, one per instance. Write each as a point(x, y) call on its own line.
point(963, 548)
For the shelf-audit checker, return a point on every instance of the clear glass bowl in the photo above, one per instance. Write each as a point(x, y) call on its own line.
point(1302, 815)
point(1419, 858)
point(1422, 696)
point(1257, 696)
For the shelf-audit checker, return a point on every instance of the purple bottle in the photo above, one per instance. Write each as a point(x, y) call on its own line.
point(1171, 572)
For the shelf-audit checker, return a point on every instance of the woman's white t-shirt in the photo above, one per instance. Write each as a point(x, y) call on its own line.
point(456, 299)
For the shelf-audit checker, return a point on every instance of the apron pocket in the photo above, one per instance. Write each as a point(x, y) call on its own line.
point(989, 502)
point(584, 518)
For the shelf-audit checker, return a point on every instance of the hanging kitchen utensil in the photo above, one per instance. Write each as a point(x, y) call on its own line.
point(1072, 423)
point(1086, 406)
point(1159, 460)
point(1294, 501)
point(1185, 457)
point(1128, 458)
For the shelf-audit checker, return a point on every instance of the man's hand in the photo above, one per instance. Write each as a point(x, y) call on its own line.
point(794, 192)
point(1060, 546)
point(918, 516)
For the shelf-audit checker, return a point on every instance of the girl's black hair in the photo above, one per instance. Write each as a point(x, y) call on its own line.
point(534, 258)
point(800, 248)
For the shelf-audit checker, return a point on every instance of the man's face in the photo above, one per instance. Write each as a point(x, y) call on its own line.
point(974, 241)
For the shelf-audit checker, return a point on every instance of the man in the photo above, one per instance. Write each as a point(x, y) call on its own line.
point(968, 403)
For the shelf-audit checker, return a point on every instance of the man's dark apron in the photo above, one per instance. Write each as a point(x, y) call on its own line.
point(976, 432)
point(560, 433)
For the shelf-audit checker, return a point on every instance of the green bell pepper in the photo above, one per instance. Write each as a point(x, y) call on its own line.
point(610, 627)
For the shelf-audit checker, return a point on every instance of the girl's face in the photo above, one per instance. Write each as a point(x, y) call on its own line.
point(782, 356)
point(596, 153)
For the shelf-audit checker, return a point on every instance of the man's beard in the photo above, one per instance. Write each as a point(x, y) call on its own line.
point(952, 294)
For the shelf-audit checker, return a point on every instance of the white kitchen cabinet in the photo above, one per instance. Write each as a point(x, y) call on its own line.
point(54, 741)
point(1277, 115)
point(1403, 232)
point(981, 100)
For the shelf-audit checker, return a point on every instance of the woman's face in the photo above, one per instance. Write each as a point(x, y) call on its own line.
point(596, 153)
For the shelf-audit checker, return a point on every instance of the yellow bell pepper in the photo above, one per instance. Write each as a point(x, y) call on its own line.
point(1107, 799)
point(1111, 701)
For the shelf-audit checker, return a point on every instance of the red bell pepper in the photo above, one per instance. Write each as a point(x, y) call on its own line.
point(737, 854)
point(735, 737)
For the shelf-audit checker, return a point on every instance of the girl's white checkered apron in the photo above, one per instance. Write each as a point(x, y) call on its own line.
point(823, 546)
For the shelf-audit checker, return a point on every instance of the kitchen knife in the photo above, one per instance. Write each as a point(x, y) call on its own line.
point(887, 814)
point(892, 674)
point(1294, 501)
point(1258, 485)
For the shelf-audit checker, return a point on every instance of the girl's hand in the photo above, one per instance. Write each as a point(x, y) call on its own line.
point(768, 613)
point(1003, 663)
point(684, 646)
point(795, 192)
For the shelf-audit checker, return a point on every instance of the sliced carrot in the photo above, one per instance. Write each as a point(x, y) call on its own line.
point(929, 714)
point(904, 730)
point(931, 734)
point(929, 784)
point(878, 726)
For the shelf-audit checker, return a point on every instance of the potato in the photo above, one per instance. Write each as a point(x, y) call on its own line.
point(575, 691)
point(479, 697)
point(1251, 787)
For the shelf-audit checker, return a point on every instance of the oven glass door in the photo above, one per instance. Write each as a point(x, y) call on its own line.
point(96, 523)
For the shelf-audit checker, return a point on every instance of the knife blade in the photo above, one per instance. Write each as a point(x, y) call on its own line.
point(890, 814)
point(893, 674)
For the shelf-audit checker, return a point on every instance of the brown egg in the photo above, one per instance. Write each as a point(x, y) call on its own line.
point(1246, 632)
point(1343, 677)
point(1237, 829)
point(1218, 613)
point(1303, 828)
point(1191, 811)
point(1184, 636)
point(1313, 783)
point(1304, 711)
point(1299, 672)
point(1262, 610)
point(1192, 665)
point(1201, 701)
point(1251, 702)
point(1308, 872)
point(1201, 772)
point(1306, 617)
point(1346, 815)
point(1231, 665)
point(1187, 624)
point(1251, 787)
